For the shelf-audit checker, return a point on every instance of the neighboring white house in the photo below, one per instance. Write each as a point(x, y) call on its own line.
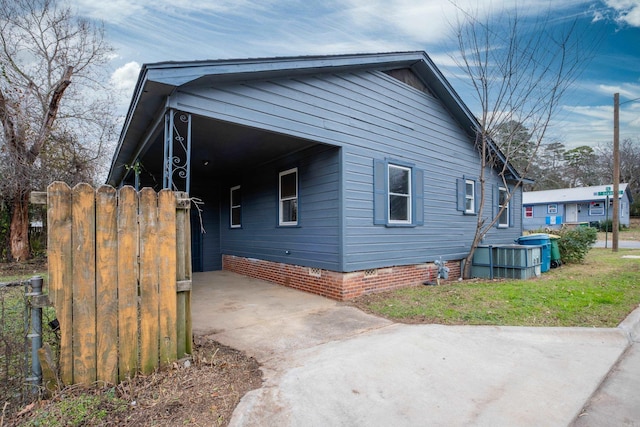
point(553, 208)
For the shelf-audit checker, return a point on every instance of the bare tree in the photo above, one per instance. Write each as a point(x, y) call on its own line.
point(629, 165)
point(50, 91)
point(519, 68)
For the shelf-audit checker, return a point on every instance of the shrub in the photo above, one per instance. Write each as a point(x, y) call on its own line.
point(575, 243)
point(607, 225)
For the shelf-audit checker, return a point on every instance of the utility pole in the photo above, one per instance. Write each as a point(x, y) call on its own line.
point(616, 172)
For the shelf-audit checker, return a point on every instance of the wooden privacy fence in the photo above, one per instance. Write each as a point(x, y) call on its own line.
point(119, 279)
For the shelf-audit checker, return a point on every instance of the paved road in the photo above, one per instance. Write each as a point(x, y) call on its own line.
point(622, 244)
point(328, 364)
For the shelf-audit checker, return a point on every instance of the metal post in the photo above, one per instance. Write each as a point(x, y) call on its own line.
point(606, 220)
point(616, 172)
point(35, 334)
point(188, 159)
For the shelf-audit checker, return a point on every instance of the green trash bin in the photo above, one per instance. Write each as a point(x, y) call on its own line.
point(555, 251)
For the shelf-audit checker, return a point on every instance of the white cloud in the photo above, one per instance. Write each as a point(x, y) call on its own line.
point(627, 11)
point(112, 11)
point(118, 11)
point(125, 78)
point(626, 90)
point(432, 21)
point(593, 125)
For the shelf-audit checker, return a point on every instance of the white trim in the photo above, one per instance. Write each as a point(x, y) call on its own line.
point(232, 207)
point(531, 211)
point(408, 196)
point(506, 209)
point(471, 197)
point(282, 199)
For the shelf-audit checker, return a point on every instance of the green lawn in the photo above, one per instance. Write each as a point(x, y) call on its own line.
point(599, 293)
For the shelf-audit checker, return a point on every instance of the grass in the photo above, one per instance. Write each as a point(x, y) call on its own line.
point(83, 409)
point(627, 233)
point(601, 292)
point(13, 338)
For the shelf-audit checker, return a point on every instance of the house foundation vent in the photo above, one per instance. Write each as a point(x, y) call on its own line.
point(373, 272)
point(315, 272)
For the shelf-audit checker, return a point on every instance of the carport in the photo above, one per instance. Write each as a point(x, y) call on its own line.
point(265, 320)
point(198, 154)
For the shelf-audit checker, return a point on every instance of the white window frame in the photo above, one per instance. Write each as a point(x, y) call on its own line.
point(284, 199)
point(552, 208)
point(528, 211)
point(233, 207)
point(408, 196)
point(469, 199)
point(596, 208)
point(502, 190)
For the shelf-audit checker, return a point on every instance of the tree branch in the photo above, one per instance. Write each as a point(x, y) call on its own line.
point(52, 111)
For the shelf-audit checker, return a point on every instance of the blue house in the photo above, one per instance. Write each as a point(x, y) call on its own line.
point(340, 175)
point(569, 206)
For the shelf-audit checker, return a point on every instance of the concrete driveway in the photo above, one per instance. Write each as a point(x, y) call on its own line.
point(328, 364)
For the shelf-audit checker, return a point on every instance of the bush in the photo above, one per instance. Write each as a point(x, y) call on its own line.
point(575, 243)
point(607, 225)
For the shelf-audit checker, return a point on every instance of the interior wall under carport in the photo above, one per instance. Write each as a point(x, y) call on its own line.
point(205, 227)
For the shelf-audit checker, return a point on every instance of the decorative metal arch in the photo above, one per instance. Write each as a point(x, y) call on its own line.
point(177, 151)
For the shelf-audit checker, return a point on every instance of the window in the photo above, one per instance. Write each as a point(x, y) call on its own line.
point(552, 208)
point(528, 211)
point(399, 194)
point(503, 220)
point(236, 207)
point(469, 196)
point(466, 195)
point(288, 194)
point(596, 208)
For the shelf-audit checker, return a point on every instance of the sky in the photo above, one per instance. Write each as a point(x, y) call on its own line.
point(148, 31)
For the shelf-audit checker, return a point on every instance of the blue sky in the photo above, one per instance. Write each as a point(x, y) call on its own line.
point(146, 31)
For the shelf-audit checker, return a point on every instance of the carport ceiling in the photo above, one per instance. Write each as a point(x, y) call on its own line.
point(227, 147)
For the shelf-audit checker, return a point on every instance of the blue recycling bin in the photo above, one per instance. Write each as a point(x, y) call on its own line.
point(543, 240)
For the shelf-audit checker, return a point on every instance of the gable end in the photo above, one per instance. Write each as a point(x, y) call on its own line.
point(408, 77)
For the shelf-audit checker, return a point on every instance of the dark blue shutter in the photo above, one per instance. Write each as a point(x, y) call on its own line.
point(477, 195)
point(460, 194)
point(418, 196)
point(379, 192)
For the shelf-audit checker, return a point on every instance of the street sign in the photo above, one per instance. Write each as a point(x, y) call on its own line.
point(606, 193)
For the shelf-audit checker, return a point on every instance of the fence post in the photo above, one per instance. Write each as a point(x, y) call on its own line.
point(183, 273)
point(35, 333)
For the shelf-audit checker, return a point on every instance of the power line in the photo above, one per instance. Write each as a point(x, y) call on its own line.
point(631, 100)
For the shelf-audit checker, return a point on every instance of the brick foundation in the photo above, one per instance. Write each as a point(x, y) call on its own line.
point(335, 285)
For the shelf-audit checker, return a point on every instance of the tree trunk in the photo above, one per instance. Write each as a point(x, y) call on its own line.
point(19, 230)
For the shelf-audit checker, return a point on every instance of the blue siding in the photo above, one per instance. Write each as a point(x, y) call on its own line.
point(314, 242)
point(540, 214)
point(209, 241)
point(372, 117)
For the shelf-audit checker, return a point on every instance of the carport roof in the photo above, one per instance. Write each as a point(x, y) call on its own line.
point(157, 81)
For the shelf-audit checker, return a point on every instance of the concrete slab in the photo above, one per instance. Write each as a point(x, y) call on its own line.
point(409, 375)
point(328, 364)
point(617, 402)
point(266, 320)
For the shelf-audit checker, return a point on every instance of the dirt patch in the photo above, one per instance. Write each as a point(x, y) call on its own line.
point(24, 268)
point(203, 391)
